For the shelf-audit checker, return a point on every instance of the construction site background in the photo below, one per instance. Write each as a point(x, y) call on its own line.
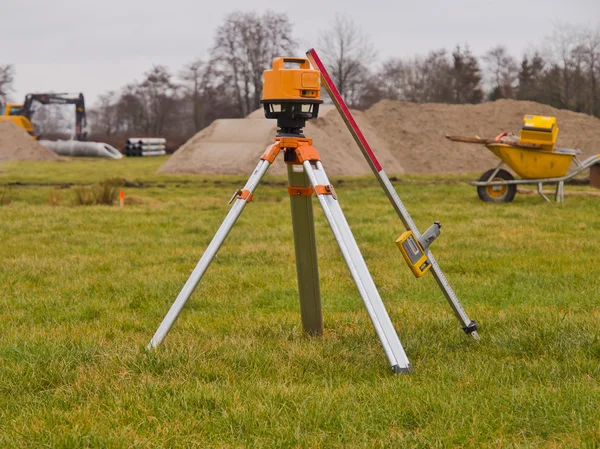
point(563, 72)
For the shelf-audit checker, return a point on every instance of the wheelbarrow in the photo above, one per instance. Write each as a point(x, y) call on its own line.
point(533, 157)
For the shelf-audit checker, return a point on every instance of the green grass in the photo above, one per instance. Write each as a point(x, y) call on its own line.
point(83, 288)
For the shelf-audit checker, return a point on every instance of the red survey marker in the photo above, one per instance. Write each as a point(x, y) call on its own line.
point(343, 108)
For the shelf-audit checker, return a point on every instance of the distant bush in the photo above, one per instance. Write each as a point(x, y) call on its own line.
point(106, 192)
point(4, 196)
point(53, 197)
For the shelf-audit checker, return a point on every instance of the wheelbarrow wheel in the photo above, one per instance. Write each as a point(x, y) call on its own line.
point(497, 194)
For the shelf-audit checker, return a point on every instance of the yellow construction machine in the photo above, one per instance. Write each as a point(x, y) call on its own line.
point(11, 113)
point(21, 115)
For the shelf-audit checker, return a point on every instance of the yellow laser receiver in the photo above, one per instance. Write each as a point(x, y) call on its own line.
point(413, 254)
point(539, 130)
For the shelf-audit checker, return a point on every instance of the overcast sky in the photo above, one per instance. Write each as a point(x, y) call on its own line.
point(94, 46)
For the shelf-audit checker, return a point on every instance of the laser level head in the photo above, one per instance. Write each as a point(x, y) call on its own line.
point(291, 93)
point(413, 253)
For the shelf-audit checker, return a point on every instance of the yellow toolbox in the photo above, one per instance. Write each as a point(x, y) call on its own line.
point(539, 130)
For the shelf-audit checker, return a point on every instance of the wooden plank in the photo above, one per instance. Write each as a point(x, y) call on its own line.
point(479, 140)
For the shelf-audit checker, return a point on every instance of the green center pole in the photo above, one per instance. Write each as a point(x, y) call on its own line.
point(307, 266)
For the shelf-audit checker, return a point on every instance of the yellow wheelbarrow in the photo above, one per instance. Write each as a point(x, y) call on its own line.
point(533, 156)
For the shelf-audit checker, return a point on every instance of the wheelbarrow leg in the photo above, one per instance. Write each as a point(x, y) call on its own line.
point(495, 172)
point(559, 197)
point(562, 192)
point(539, 189)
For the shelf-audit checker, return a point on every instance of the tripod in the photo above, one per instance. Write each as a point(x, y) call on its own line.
point(306, 176)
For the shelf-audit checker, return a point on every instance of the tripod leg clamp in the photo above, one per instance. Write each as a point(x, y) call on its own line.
point(307, 153)
point(300, 191)
point(271, 153)
point(242, 195)
point(325, 190)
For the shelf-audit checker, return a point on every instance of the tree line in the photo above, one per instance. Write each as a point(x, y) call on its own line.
point(564, 73)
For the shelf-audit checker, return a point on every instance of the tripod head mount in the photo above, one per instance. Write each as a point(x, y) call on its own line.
point(291, 94)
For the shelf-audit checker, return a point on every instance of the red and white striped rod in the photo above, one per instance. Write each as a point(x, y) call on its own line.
point(343, 109)
point(468, 326)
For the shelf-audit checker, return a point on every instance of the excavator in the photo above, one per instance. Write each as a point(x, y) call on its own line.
point(10, 113)
point(22, 114)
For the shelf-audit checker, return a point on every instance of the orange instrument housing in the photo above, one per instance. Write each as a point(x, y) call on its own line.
point(299, 83)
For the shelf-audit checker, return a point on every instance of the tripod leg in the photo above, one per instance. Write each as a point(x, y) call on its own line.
point(468, 325)
point(360, 273)
point(307, 266)
point(209, 254)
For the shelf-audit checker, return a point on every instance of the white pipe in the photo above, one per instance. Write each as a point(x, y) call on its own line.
point(86, 149)
point(146, 146)
point(154, 153)
point(147, 140)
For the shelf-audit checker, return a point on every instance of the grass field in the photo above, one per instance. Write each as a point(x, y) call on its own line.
point(83, 288)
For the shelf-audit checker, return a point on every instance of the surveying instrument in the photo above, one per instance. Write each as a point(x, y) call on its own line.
point(291, 95)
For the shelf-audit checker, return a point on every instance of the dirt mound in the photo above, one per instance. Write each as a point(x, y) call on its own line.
point(406, 137)
point(234, 146)
point(416, 132)
point(227, 147)
point(17, 145)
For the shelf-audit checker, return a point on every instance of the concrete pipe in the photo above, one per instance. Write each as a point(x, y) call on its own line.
point(147, 140)
point(154, 153)
point(84, 149)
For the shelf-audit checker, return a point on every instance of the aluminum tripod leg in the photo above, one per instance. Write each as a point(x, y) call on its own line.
point(360, 273)
point(208, 256)
point(305, 245)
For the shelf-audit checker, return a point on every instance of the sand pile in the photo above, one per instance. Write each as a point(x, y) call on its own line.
point(227, 146)
point(17, 145)
point(234, 146)
point(406, 137)
point(417, 131)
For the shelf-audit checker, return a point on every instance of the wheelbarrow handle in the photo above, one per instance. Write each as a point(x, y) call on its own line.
point(469, 139)
point(488, 141)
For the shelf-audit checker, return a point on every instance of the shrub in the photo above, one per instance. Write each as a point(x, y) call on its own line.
point(53, 197)
point(106, 192)
point(4, 196)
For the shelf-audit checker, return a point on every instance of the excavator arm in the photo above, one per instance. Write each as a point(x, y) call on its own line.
point(60, 99)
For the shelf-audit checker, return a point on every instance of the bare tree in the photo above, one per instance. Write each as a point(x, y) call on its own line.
point(104, 114)
point(131, 116)
point(531, 77)
point(589, 48)
point(560, 47)
point(419, 79)
point(194, 78)
point(467, 77)
point(348, 52)
point(157, 94)
point(502, 69)
point(6, 81)
point(148, 107)
point(245, 46)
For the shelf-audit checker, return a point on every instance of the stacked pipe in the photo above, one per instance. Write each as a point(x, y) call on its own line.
point(145, 146)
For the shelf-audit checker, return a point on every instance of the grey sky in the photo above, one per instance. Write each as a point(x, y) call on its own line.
point(95, 46)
